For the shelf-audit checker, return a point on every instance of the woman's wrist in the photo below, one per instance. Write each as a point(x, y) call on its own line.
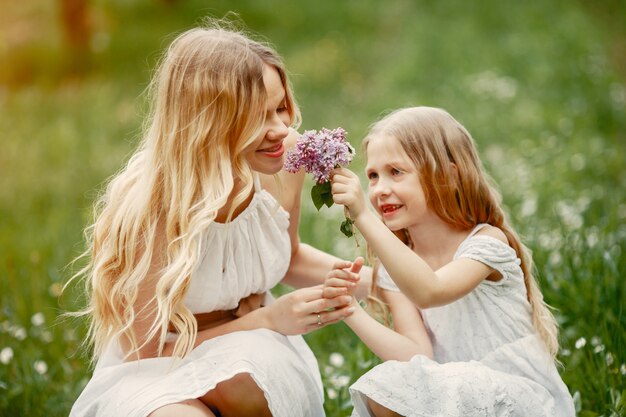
point(264, 318)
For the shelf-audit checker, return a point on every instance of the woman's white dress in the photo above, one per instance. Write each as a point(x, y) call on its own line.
point(248, 255)
point(488, 361)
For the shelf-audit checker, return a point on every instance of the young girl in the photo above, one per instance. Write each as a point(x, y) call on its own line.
point(189, 238)
point(453, 273)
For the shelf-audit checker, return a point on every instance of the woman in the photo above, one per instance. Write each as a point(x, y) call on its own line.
point(190, 236)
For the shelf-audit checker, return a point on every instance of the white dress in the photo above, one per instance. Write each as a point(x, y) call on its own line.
point(488, 361)
point(249, 255)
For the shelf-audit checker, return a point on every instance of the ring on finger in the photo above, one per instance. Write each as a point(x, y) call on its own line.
point(319, 319)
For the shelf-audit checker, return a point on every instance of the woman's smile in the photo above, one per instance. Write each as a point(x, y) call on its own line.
point(275, 151)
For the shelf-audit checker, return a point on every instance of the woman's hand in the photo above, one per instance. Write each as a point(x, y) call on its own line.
point(343, 278)
point(304, 310)
point(346, 189)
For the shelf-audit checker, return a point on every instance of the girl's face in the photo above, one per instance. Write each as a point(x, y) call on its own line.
point(395, 190)
point(265, 154)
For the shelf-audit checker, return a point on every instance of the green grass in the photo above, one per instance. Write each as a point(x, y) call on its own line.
point(540, 86)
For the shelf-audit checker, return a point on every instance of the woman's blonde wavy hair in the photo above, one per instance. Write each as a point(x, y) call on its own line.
point(208, 104)
point(432, 138)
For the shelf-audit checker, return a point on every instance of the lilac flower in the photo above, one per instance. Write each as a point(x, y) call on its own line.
point(319, 152)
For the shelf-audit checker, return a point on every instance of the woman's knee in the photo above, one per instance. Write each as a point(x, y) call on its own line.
point(380, 411)
point(227, 397)
point(188, 408)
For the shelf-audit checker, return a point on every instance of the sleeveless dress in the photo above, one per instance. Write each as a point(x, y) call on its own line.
point(488, 361)
point(248, 255)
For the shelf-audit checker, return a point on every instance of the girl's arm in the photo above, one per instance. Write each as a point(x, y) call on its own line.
point(409, 336)
point(415, 278)
point(308, 265)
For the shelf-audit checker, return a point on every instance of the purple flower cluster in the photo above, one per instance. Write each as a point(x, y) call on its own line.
point(319, 152)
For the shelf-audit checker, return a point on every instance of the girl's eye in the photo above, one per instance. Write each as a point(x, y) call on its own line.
point(395, 171)
point(372, 176)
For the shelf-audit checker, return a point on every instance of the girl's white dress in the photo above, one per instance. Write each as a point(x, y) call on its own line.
point(488, 361)
point(249, 255)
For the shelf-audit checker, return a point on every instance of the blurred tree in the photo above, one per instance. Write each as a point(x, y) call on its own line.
point(74, 16)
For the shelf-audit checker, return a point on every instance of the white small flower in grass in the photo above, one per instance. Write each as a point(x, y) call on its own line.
point(595, 341)
point(609, 359)
point(69, 335)
point(38, 319)
point(566, 352)
point(336, 359)
point(55, 289)
point(332, 394)
point(580, 343)
point(339, 381)
point(598, 349)
point(46, 336)
point(343, 380)
point(6, 355)
point(622, 369)
point(40, 367)
point(19, 333)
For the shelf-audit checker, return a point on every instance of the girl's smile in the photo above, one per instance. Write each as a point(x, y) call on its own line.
point(388, 210)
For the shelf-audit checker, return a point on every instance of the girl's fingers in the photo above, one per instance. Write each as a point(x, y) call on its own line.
point(357, 265)
point(328, 303)
point(332, 292)
point(342, 264)
point(339, 282)
point(345, 274)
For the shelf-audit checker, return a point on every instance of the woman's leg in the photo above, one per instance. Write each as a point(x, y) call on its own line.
point(380, 411)
point(239, 396)
point(189, 408)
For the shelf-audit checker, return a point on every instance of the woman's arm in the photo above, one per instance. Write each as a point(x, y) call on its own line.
point(293, 313)
point(309, 265)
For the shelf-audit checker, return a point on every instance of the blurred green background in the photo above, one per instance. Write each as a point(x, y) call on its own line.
point(541, 86)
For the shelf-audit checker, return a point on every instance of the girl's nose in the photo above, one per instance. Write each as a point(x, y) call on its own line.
point(381, 189)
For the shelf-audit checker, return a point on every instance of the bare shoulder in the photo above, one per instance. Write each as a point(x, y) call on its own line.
point(494, 232)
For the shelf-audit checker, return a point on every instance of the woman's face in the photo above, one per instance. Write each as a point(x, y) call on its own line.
point(265, 154)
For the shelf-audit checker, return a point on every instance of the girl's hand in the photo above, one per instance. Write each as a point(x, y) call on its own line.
point(346, 189)
point(305, 310)
point(343, 278)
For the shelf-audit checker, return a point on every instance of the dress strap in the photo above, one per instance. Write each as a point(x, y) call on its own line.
point(257, 183)
point(476, 229)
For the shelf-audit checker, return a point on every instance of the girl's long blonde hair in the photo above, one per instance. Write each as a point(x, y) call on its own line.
point(432, 138)
point(208, 104)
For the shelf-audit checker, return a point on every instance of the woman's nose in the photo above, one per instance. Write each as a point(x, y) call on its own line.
point(278, 129)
